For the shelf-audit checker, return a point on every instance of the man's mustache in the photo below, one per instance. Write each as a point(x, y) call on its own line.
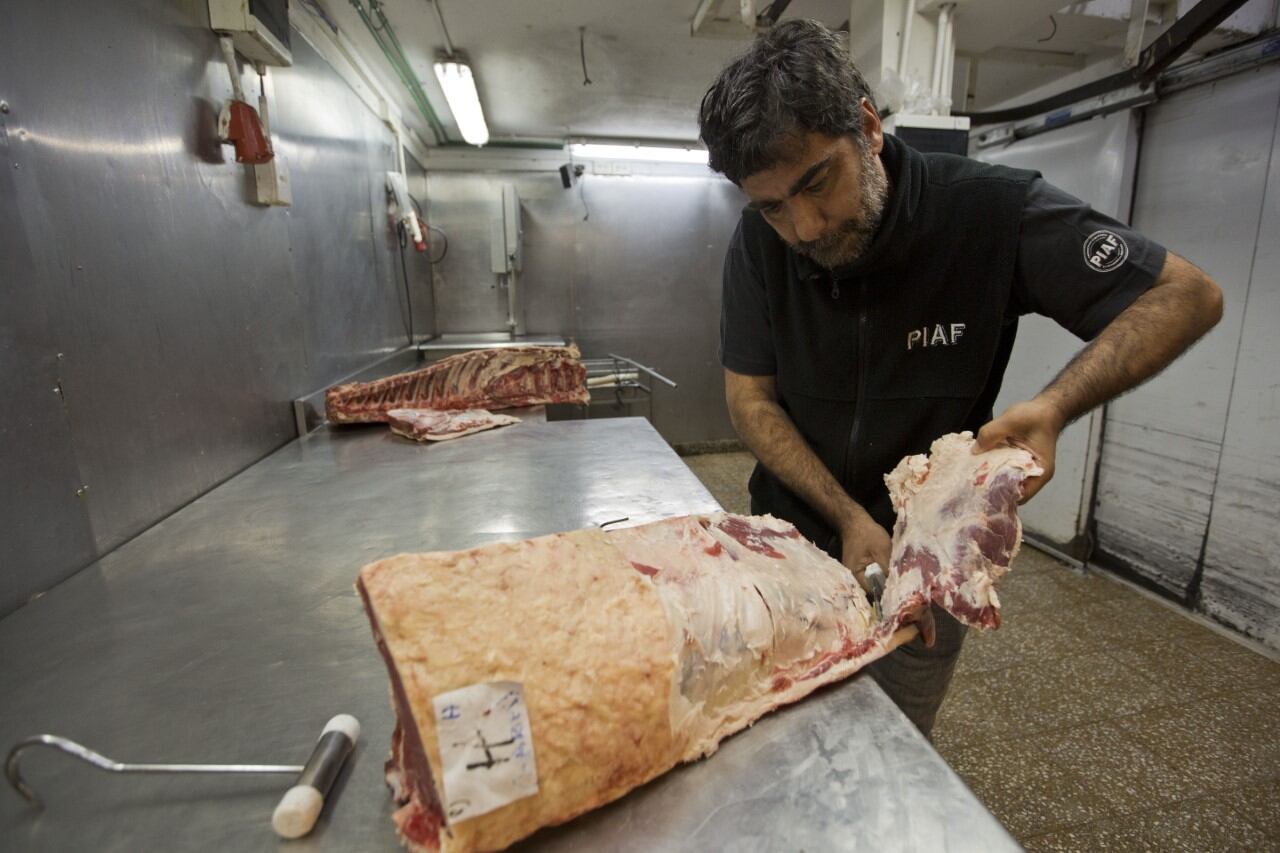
point(827, 241)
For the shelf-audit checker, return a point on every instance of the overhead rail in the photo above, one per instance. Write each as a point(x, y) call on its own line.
point(1255, 52)
point(1198, 22)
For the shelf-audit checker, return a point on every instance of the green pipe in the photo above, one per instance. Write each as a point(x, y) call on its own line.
point(509, 143)
point(395, 66)
point(385, 26)
point(395, 55)
point(401, 66)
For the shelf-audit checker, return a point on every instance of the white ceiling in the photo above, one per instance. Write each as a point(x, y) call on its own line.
point(648, 73)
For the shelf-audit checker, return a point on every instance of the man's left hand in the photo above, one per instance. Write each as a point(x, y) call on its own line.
point(1034, 426)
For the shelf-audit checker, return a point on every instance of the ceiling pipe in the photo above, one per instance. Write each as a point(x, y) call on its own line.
point(448, 42)
point(773, 12)
point(948, 59)
point(905, 46)
point(940, 45)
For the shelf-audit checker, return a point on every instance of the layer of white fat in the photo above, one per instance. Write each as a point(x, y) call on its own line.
point(738, 616)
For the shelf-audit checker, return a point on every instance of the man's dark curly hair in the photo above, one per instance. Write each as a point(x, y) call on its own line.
point(795, 78)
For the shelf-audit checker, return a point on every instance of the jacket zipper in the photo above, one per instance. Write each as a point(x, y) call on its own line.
point(835, 289)
point(850, 464)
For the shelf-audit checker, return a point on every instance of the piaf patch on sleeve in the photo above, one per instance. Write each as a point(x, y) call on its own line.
point(1105, 250)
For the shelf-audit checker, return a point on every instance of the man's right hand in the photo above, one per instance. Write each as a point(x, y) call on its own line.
point(862, 543)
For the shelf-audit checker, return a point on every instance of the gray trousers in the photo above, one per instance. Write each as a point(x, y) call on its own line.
point(917, 678)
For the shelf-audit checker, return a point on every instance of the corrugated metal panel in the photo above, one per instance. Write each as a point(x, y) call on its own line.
point(1201, 179)
point(1241, 583)
point(1154, 490)
point(1093, 161)
point(189, 317)
point(639, 276)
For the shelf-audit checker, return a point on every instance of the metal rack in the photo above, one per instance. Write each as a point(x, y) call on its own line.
point(620, 382)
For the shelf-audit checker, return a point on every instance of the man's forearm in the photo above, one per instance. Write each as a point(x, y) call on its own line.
point(769, 433)
point(1139, 343)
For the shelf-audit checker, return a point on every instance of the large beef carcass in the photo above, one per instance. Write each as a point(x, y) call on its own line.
point(533, 681)
point(480, 379)
point(627, 652)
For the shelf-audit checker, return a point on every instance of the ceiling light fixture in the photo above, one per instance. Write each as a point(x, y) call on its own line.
point(662, 153)
point(460, 91)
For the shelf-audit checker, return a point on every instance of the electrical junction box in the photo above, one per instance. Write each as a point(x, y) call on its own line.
point(505, 251)
point(931, 134)
point(259, 28)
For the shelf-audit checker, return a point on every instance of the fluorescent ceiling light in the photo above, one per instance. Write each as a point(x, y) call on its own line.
point(460, 91)
point(592, 150)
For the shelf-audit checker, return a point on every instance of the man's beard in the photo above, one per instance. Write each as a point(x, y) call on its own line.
point(851, 239)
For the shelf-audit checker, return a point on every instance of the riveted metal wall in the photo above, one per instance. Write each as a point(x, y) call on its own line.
point(1240, 580)
point(1201, 186)
point(627, 264)
point(177, 319)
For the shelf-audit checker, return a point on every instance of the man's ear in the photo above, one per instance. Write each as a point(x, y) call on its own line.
point(871, 127)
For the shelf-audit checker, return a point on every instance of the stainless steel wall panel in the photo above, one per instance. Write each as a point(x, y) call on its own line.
point(1241, 584)
point(44, 524)
point(648, 285)
point(1201, 179)
point(466, 294)
point(152, 264)
point(344, 257)
point(553, 222)
point(640, 275)
point(189, 318)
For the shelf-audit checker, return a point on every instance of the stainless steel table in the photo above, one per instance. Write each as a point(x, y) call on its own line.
point(231, 632)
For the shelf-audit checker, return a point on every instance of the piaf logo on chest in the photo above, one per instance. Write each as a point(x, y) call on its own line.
point(937, 335)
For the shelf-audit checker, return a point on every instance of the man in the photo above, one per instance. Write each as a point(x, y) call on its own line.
point(871, 297)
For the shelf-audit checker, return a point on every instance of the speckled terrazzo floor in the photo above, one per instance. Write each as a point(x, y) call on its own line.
point(1098, 719)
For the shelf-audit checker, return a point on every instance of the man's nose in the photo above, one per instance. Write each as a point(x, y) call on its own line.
point(808, 221)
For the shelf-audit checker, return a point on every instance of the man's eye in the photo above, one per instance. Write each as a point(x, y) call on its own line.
point(770, 209)
point(816, 187)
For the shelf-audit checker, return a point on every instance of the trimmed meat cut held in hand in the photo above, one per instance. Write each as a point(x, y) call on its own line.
point(957, 529)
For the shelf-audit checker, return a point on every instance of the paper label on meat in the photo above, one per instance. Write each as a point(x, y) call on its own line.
point(486, 748)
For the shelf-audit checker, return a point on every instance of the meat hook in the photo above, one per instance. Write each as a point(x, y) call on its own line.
point(100, 761)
